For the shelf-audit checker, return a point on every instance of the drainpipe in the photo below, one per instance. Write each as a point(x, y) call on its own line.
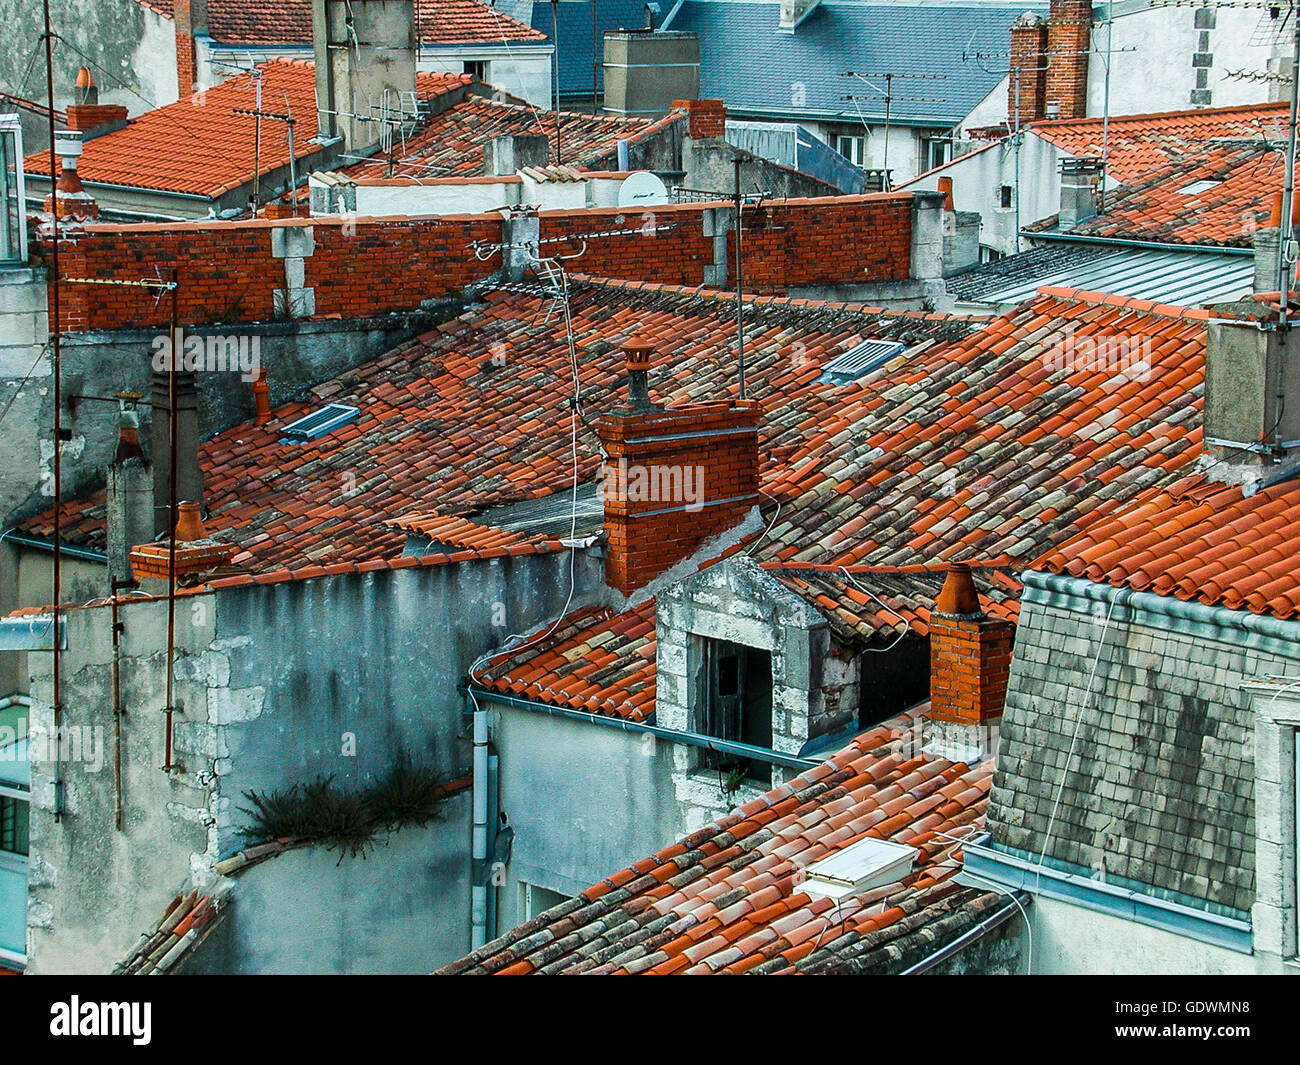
point(478, 893)
point(493, 810)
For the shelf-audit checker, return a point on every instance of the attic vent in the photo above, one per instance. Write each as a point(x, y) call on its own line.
point(1199, 186)
point(320, 422)
point(867, 356)
point(861, 866)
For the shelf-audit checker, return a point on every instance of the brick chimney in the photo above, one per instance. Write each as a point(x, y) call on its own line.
point(74, 202)
point(1069, 35)
point(707, 118)
point(674, 476)
point(191, 17)
point(129, 497)
point(970, 654)
point(196, 552)
point(87, 115)
point(1027, 84)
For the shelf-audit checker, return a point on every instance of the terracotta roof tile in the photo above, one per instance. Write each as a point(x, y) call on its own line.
point(451, 143)
point(199, 146)
point(1199, 541)
point(738, 914)
point(289, 22)
point(1140, 144)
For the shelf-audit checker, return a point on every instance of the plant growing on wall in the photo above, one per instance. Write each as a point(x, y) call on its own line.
point(352, 820)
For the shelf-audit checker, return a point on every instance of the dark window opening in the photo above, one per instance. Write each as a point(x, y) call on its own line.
point(13, 825)
point(477, 67)
point(735, 704)
point(1005, 196)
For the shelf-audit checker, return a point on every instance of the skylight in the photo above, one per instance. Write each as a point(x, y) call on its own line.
point(1199, 186)
point(861, 866)
point(867, 356)
point(320, 422)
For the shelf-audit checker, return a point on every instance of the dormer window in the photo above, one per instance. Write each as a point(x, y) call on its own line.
point(735, 704)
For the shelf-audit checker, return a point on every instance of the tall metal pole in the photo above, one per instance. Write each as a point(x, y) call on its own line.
point(257, 143)
point(1286, 231)
point(555, 39)
point(172, 512)
point(1105, 116)
point(595, 60)
point(55, 326)
point(740, 286)
point(884, 163)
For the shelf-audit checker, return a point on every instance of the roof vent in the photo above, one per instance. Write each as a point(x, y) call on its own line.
point(861, 866)
point(320, 422)
point(867, 356)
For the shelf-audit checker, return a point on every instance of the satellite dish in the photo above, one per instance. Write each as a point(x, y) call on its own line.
point(642, 189)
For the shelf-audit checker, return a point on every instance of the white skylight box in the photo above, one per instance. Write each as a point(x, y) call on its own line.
point(1198, 187)
point(861, 866)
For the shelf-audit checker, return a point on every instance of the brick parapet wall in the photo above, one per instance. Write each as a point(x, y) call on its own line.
point(360, 267)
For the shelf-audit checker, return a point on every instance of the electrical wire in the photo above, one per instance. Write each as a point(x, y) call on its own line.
point(1078, 722)
point(26, 377)
point(907, 622)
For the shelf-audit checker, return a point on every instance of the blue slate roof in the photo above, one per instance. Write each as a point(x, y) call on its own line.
point(575, 51)
point(758, 70)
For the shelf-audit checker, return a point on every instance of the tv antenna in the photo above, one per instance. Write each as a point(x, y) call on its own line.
point(881, 86)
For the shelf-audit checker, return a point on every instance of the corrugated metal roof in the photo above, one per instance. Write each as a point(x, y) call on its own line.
point(1179, 278)
point(746, 61)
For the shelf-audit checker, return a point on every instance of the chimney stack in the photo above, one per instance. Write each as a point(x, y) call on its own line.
point(705, 118)
point(1080, 176)
point(196, 552)
point(673, 476)
point(129, 497)
point(75, 204)
point(1027, 85)
point(191, 18)
point(970, 654)
point(261, 399)
point(87, 115)
point(506, 155)
point(1069, 36)
point(365, 50)
point(189, 478)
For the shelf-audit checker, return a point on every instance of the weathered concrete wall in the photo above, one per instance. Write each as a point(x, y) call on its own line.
point(120, 36)
point(280, 683)
point(401, 910)
point(978, 178)
point(585, 801)
point(294, 354)
point(708, 165)
point(24, 384)
point(998, 953)
point(1070, 940)
point(1169, 59)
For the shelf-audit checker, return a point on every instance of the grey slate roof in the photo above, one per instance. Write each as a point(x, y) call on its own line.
point(758, 70)
point(1159, 791)
point(575, 52)
point(1179, 278)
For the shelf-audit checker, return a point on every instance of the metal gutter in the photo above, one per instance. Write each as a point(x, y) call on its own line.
point(1239, 627)
point(1017, 873)
point(1121, 242)
point(87, 553)
point(1009, 909)
point(689, 739)
point(32, 633)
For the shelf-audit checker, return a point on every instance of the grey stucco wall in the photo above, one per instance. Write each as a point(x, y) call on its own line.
point(585, 801)
point(294, 355)
point(110, 32)
point(280, 683)
point(400, 910)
